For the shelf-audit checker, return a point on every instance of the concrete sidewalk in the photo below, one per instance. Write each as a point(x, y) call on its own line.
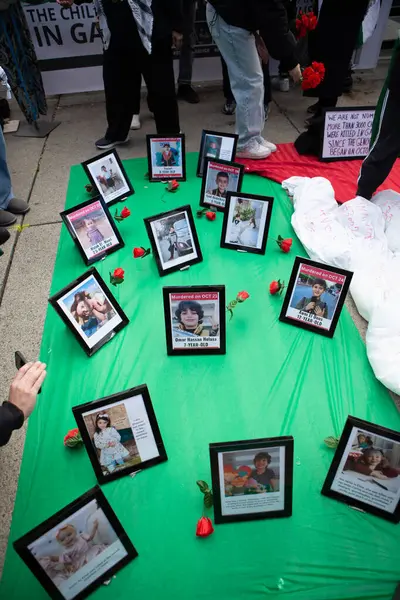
point(40, 173)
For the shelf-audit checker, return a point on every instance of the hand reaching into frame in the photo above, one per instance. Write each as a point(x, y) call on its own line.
point(25, 386)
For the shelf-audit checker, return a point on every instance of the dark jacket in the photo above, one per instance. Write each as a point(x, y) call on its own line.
point(269, 17)
point(394, 74)
point(11, 418)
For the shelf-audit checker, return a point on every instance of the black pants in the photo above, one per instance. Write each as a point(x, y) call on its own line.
point(125, 61)
point(386, 148)
point(226, 85)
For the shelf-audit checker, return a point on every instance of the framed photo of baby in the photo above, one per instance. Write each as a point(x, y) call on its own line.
point(120, 433)
point(365, 471)
point(76, 550)
point(252, 479)
point(89, 310)
point(93, 230)
point(219, 178)
point(195, 319)
point(246, 222)
point(107, 174)
point(166, 157)
point(315, 296)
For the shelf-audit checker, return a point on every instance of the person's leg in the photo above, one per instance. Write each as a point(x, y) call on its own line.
point(267, 89)
point(9, 205)
point(185, 90)
point(161, 87)
point(230, 104)
point(384, 151)
point(136, 88)
point(238, 48)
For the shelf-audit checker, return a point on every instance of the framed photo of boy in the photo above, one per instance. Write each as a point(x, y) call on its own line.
point(90, 311)
point(120, 433)
point(108, 176)
point(195, 319)
point(315, 296)
point(166, 157)
point(173, 239)
point(76, 550)
point(93, 230)
point(252, 479)
point(365, 471)
point(219, 178)
point(217, 146)
point(246, 222)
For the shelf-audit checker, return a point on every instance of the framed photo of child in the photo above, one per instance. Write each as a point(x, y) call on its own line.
point(107, 174)
point(219, 178)
point(217, 146)
point(166, 157)
point(90, 311)
point(173, 239)
point(195, 319)
point(365, 471)
point(76, 550)
point(246, 222)
point(120, 433)
point(315, 296)
point(252, 479)
point(93, 230)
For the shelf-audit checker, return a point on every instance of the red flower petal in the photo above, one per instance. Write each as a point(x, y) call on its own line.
point(204, 527)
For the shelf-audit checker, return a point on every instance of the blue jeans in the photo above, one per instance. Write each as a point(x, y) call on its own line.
point(6, 193)
point(238, 48)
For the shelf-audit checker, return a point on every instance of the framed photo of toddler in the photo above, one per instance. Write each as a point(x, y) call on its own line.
point(174, 240)
point(120, 433)
point(166, 157)
point(365, 471)
point(217, 146)
point(219, 178)
point(315, 296)
point(93, 230)
point(252, 479)
point(76, 550)
point(195, 319)
point(107, 174)
point(246, 222)
point(90, 311)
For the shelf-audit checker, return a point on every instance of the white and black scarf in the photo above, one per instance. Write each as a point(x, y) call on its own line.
point(143, 15)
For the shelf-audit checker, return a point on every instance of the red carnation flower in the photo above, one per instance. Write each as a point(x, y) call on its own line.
point(276, 287)
point(284, 244)
point(140, 252)
point(204, 527)
point(211, 215)
point(242, 296)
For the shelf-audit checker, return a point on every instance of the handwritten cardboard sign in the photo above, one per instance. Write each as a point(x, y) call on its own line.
point(347, 133)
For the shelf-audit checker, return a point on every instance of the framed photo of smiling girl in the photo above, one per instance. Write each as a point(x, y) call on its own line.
point(90, 311)
point(315, 296)
point(195, 319)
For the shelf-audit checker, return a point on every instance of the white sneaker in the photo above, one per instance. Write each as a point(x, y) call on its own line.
point(135, 122)
point(253, 150)
point(267, 144)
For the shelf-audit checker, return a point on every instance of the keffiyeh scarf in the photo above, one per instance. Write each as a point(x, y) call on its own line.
point(143, 15)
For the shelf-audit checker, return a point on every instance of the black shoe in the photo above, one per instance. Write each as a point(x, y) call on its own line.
point(186, 92)
point(229, 108)
point(4, 235)
point(105, 144)
point(313, 108)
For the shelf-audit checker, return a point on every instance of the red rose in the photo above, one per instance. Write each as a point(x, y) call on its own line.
point(119, 273)
point(210, 214)
point(312, 22)
point(73, 438)
point(173, 185)
point(242, 296)
point(276, 287)
point(286, 245)
point(204, 527)
point(125, 212)
point(71, 433)
point(138, 252)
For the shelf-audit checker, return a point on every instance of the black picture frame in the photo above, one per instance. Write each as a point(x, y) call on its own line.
point(199, 294)
point(255, 446)
point(22, 545)
point(341, 457)
point(87, 347)
point(350, 109)
point(218, 134)
point(97, 406)
point(223, 166)
point(66, 214)
point(230, 199)
point(181, 242)
point(113, 155)
point(311, 321)
point(166, 176)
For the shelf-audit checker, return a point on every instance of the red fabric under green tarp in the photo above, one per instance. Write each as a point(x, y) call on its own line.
point(287, 162)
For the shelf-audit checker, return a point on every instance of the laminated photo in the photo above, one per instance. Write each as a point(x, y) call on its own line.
point(219, 178)
point(166, 157)
point(246, 222)
point(107, 174)
point(216, 146)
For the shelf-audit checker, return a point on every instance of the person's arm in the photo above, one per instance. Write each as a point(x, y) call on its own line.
point(357, 466)
point(94, 530)
point(98, 442)
point(21, 399)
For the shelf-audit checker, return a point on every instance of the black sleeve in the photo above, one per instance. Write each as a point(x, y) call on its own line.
point(11, 417)
point(274, 29)
point(394, 73)
point(167, 16)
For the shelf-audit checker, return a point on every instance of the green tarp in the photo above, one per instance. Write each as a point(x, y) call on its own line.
point(274, 380)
